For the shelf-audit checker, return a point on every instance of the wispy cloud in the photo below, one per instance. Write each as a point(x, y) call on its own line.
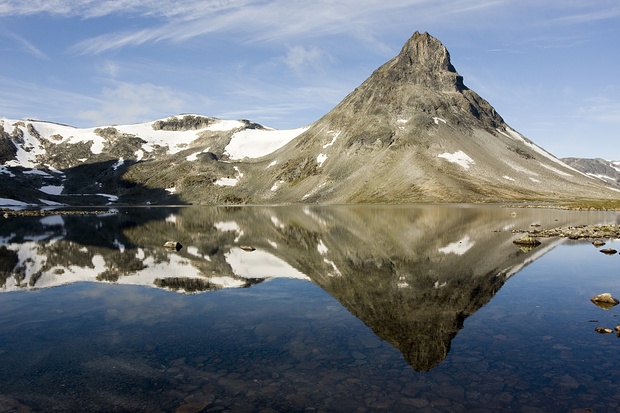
point(602, 109)
point(24, 45)
point(265, 21)
point(299, 57)
point(604, 10)
point(37, 101)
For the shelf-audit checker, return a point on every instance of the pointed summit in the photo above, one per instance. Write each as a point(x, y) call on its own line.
point(426, 61)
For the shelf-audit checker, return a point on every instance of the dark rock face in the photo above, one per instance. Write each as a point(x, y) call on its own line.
point(7, 149)
point(425, 61)
point(188, 122)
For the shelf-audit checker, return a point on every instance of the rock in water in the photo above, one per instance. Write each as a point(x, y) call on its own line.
point(605, 301)
point(603, 330)
point(527, 241)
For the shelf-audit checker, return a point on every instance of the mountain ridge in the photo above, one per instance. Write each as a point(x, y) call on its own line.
point(412, 132)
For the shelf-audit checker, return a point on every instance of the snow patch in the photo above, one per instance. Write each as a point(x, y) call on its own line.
point(4, 170)
point(335, 136)
point(438, 286)
point(437, 120)
point(601, 177)
point(50, 203)
point(111, 198)
point(254, 143)
point(506, 177)
point(459, 247)
point(459, 157)
point(225, 125)
point(322, 248)
point(36, 172)
point(52, 189)
point(226, 226)
point(118, 164)
point(518, 137)
point(12, 202)
point(321, 158)
point(192, 157)
point(261, 264)
point(336, 271)
point(276, 222)
point(227, 182)
point(276, 186)
point(119, 245)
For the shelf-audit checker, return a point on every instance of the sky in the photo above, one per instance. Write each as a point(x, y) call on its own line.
point(550, 68)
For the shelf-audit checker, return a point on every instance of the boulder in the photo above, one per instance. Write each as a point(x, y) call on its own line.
point(603, 330)
point(527, 240)
point(173, 245)
point(605, 301)
point(609, 251)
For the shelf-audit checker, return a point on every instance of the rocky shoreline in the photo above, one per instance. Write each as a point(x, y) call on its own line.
point(609, 231)
point(8, 213)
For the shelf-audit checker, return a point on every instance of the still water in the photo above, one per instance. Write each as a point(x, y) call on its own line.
point(305, 309)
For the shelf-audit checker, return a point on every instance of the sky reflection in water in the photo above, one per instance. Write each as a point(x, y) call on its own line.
point(386, 309)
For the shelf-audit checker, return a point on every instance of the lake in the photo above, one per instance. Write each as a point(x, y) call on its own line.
point(306, 309)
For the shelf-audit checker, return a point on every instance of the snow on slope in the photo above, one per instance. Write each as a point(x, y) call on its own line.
point(32, 261)
point(254, 143)
point(251, 143)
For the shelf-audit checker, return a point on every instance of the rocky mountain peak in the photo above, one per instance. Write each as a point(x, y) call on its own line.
point(424, 60)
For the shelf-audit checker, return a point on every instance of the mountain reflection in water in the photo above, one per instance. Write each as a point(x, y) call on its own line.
point(411, 274)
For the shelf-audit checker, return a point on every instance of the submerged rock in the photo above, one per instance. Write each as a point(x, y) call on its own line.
point(605, 301)
point(248, 248)
point(603, 330)
point(609, 251)
point(598, 243)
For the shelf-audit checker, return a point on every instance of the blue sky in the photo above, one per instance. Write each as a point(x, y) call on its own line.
point(550, 68)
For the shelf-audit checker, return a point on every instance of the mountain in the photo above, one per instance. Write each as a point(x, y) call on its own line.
point(607, 171)
point(412, 132)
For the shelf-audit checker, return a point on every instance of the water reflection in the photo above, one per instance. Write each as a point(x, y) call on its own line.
point(411, 274)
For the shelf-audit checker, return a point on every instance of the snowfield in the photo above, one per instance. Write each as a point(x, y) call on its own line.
point(250, 143)
point(254, 143)
point(458, 157)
